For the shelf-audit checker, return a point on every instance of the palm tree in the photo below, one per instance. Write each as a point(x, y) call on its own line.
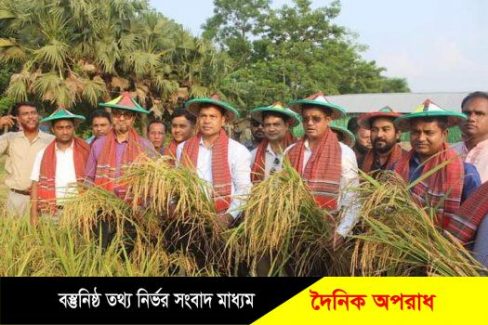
point(87, 51)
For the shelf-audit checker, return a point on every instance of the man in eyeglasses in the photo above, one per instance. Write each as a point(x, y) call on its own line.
point(327, 166)
point(267, 157)
point(119, 148)
point(257, 132)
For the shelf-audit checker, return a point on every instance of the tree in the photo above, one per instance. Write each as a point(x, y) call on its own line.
point(290, 52)
point(78, 53)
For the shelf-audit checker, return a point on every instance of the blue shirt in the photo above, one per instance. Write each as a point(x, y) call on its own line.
point(471, 176)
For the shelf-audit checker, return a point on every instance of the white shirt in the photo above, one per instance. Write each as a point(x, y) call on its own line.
point(65, 172)
point(270, 157)
point(348, 199)
point(478, 156)
point(239, 159)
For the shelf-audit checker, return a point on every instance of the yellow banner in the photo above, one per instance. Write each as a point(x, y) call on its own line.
point(385, 300)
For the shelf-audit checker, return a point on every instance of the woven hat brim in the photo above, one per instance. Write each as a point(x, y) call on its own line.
point(337, 111)
point(54, 118)
point(453, 118)
point(365, 121)
point(126, 108)
point(193, 106)
point(350, 139)
point(257, 114)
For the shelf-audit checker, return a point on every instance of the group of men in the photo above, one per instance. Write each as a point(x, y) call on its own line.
point(41, 168)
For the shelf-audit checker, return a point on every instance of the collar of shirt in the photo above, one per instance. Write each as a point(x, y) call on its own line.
point(202, 144)
point(21, 134)
point(482, 145)
point(70, 148)
point(269, 150)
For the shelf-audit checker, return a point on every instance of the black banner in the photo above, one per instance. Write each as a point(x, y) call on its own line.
point(143, 300)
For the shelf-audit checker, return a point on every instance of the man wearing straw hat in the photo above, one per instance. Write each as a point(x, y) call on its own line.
point(21, 149)
point(268, 156)
point(57, 167)
point(343, 135)
point(385, 136)
point(474, 148)
point(110, 154)
point(454, 181)
point(328, 166)
point(219, 160)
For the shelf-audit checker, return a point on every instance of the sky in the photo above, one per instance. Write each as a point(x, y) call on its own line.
point(438, 46)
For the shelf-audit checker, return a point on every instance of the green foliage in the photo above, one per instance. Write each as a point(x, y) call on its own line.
point(290, 52)
point(78, 53)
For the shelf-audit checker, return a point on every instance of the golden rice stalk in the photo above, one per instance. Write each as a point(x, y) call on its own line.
point(399, 238)
point(92, 205)
point(282, 227)
point(179, 198)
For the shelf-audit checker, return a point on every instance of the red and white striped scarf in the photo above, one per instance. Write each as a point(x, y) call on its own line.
point(464, 225)
point(443, 189)
point(257, 169)
point(47, 177)
point(106, 174)
point(395, 154)
point(221, 176)
point(322, 173)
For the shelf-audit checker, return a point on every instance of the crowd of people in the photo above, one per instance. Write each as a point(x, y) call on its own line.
point(41, 167)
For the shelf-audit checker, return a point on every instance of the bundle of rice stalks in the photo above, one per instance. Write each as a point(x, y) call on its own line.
point(399, 238)
point(283, 228)
point(50, 250)
point(92, 206)
point(180, 200)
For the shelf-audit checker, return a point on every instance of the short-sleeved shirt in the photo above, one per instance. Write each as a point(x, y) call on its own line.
point(20, 156)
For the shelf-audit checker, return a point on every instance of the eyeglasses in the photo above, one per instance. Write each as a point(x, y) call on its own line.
point(313, 118)
point(126, 114)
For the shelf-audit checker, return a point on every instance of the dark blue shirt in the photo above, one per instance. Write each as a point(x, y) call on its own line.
point(471, 176)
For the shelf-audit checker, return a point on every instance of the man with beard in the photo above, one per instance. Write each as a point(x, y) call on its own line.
point(384, 137)
point(267, 158)
point(58, 167)
point(257, 132)
point(222, 162)
point(363, 140)
point(21, 149)
point(474, 148)
point(448, 186)
point(328, 166)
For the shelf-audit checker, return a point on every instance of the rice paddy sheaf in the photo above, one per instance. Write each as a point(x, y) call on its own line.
point(166, 227)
